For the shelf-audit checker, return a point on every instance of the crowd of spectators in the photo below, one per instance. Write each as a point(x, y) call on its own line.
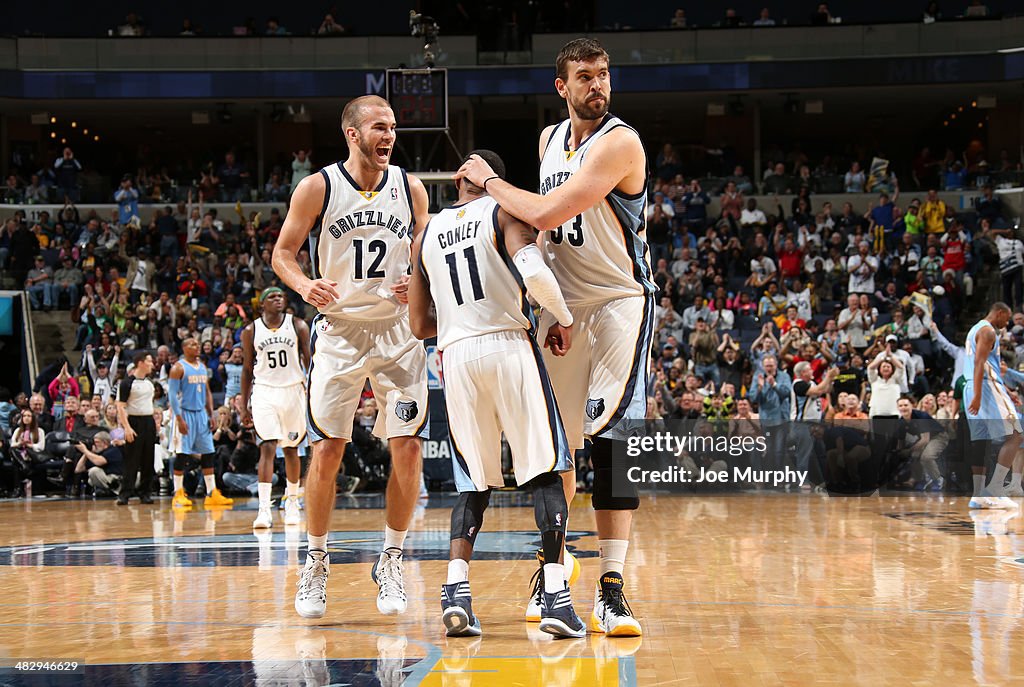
point(229, 181)
point(792, 172)
point(137, 279)
point(766, 312)
point(858, 302)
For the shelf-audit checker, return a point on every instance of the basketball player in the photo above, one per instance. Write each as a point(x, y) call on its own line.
point(192, 408)
point(360, 216)
point(593, 181)
point(991, 414)
point(495, 382)
point(275, 351)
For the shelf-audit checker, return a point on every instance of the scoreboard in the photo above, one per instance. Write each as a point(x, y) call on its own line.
point(419, 98)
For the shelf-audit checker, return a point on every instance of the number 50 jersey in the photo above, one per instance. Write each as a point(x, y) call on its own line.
point(277, 354)
point(601, 254)
point(361, 240)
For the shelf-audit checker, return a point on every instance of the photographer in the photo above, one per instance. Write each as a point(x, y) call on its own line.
point(102, 465)
point(240, 475)
point(922, 441)
point(82, 435)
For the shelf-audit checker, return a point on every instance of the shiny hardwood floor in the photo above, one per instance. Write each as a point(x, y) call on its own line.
point(732, 590)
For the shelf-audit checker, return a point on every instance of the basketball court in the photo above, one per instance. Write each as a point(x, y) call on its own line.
point(731, 590)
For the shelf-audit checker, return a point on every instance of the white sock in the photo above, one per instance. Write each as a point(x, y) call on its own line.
point(291, 489)
point(979, 484)
point(1015, 480)
point(179, 483)
point(995, 485)
point(566, 568)
point(458, 571)
point(554, 578)
point(613, 554)
point(394, 539)
point(211, 483)
point(264, 491)
point(316, 541)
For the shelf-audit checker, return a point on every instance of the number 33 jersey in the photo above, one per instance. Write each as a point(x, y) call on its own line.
point(361, 241)
point(601, 254)
point(277, 354)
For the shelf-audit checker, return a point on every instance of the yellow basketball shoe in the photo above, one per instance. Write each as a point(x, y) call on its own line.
point(217, 499)
point(180, 500)
point(572, 566)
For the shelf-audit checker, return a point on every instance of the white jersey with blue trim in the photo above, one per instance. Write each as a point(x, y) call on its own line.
point(361, 240)
point(277, 362)
point(475, 287)
point(601, 254)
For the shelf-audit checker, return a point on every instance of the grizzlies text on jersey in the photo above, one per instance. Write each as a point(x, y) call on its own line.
point(361, 241)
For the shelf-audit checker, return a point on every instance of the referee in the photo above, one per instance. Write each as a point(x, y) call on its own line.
point(135, 415)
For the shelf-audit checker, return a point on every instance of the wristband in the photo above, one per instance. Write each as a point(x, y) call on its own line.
point(488, 179)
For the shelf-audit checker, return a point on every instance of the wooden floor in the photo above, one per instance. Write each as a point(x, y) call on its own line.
point(731, 590)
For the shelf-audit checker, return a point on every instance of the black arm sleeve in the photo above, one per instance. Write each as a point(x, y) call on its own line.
point(124, 389)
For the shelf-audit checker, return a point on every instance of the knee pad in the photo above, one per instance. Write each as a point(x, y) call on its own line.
point(206, 460)
point(603, 497)
point(549, 508)
point(468, 514)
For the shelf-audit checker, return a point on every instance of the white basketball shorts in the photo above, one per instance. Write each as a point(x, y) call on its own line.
point(345, 353)
point(493, 384)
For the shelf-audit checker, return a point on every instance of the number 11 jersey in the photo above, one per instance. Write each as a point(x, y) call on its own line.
point(474, 284)
point(601, 254)
point(361, 240)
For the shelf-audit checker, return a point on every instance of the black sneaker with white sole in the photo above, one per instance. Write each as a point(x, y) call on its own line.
point(457, 611)
point(558, 617)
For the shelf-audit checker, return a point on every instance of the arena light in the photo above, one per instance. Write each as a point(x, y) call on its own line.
point(85, 132)
point(53, 120)
point(53, 134)
point(96, 138)
point(74, 125)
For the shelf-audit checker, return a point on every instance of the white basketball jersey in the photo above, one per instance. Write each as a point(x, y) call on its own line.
point(361, 240)
point(601, 254)
point(476, 288)
point(277, 354)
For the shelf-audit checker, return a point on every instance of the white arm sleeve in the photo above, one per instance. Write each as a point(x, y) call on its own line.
point(541, 283)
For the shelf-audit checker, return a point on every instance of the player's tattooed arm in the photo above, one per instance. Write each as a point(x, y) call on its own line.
point(422, 320)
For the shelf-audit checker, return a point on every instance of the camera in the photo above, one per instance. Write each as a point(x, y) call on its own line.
point(421, 26)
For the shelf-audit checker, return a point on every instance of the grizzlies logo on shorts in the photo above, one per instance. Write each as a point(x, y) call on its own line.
point(595, 407)
point(406, 410)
